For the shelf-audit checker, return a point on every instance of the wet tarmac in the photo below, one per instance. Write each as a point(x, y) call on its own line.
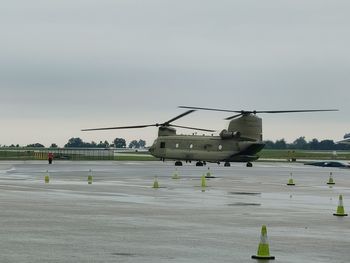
point(121, 218)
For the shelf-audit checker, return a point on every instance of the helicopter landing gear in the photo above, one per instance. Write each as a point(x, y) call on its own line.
point(199, 163)
point(178, 163)
point(249, 164)
point(227, 164)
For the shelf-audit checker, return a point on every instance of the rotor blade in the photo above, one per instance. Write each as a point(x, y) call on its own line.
point(178, 117)
point(255, 111)
point(289, 111)
point(123, 127)
point(234, 116)
point(274, 111)
point(191, 128)
point(212, 109)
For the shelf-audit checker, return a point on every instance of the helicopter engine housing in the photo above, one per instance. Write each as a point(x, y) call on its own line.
point(225, 134)
point(249, 126)
point(166, 131)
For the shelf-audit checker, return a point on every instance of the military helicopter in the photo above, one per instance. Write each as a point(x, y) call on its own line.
point(240, 142)
point(346, 139)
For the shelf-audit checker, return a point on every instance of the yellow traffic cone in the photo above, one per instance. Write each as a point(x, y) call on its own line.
point(340, 209)
point(155, 184)
point(330, 180)
point(208, 174)
point(90, 177)
point(47, 177)
point(291, 181)
point(204, 181)
point(176, 175)
point(263, 249)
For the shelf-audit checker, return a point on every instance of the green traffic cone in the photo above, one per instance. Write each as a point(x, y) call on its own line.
point(204, 181)
point(263, 249)
point(155, 184)
point(47, 177)
point(330, 180)
point(340, 208)
point(291, 181)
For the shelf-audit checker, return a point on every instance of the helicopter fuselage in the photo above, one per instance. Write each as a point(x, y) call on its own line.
point(205, 148)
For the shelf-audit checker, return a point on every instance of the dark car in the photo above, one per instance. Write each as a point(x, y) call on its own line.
point(329, 164)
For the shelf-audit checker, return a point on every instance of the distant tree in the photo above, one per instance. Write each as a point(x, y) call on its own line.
point(79, 143)
point(119, 143)
point(17, 145)
point(327, 145)
point(74, 142)
point(104, 144)
point(269, 144)
point(12, 145)
point(280, 144)
point(314, 144)
point(300, 143)
point(36, 145)
point(53, 145)
point(134, 144)
point(142, 143)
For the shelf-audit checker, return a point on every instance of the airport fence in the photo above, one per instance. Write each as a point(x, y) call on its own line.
point(59, 153)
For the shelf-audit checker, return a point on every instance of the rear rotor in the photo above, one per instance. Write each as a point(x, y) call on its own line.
point(245, 112)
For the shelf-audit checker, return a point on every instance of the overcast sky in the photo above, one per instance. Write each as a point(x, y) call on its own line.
point(67, 65)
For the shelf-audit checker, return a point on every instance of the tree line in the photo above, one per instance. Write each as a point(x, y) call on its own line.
point(301, 144)
point(117, 143)
point(76, 142)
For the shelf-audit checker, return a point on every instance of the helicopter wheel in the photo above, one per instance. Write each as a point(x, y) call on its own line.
point(178, 163)
point(199, 163)
point(227, 164)
point(249, 164)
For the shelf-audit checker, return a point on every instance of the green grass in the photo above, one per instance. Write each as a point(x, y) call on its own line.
point(17, 155)
point(134, 156)
point(304, 154)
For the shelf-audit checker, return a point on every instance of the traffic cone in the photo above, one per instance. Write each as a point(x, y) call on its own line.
point(47, 177)
point(263, 249)
point(176, 175)
point(340, 209)
point(90, 177)
point(204, 181)
point(208, 175)
point(155, 184)
point(330, 180)
point(291, 181)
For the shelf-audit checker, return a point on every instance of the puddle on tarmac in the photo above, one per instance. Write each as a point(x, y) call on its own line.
point(244, 204)
point(243, 193)
point(124, 254)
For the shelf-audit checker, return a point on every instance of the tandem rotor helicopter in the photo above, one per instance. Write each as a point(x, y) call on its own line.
point(240, 142)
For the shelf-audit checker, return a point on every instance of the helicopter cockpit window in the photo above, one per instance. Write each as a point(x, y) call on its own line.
point(220, 147)
point(162, 144)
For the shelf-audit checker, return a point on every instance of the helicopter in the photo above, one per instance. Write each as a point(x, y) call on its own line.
point(240, 142)
point(346, 139)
